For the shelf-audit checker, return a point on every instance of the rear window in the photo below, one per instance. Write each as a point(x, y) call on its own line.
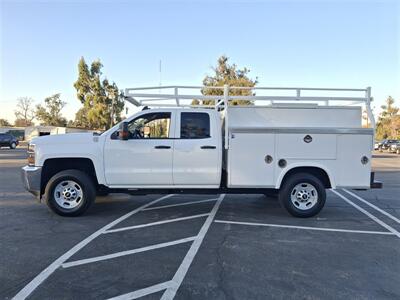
point(195, 125)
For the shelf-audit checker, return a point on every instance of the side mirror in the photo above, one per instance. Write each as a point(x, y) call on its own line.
point(123, 132)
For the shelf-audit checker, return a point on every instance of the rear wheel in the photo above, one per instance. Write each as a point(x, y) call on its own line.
point(303, 195)
point(70, 193)
point(13, 145)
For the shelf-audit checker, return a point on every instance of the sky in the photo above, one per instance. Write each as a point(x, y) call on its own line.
point(344, 44)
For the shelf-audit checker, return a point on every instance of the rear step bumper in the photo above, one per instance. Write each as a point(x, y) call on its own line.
point(375, 184)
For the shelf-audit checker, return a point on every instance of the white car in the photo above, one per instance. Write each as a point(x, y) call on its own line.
point(295, 149)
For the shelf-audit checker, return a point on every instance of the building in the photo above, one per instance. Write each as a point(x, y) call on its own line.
point(28, 133)
point(35, 131)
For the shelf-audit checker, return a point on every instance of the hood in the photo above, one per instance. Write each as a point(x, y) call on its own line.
point(67, 138)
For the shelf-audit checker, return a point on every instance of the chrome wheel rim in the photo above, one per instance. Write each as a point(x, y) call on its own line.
point(68, 194)
point(304, 196)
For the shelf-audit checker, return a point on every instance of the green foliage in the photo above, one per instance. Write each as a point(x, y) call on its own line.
point(81, 119)
point(50, 113)
point(4, 123)
point(24, 112)
point(388, 125)
point(102, 103)
point(225, 73)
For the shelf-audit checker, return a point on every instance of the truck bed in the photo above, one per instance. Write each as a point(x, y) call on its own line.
point(267, 142)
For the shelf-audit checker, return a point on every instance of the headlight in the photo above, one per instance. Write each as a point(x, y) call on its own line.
point(31, 154)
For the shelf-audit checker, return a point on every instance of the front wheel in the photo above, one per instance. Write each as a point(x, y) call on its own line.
point(13, 145)
point(303, 195)
point(70, 193)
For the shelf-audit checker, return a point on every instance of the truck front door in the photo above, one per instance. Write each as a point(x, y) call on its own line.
point(145, 159)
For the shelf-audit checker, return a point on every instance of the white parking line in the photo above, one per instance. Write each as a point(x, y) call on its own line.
point(380, 222)
point(373, 206)
point(127, 252)
point(144, 292)
point(187, 261)
point(31, 286)
point(180, 204)
point(155, 223)
point(303, 227)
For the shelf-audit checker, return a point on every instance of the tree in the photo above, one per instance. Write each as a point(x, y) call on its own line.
point(225, 73)
point(4, 123)
point(50, 113)
point(102, 103)
point(25, 112)
point(22, 123)
point(81, 119)
point(388, 125)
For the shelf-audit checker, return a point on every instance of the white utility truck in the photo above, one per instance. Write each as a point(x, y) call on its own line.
point(290, 142)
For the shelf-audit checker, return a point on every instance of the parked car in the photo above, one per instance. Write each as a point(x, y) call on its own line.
point(295, 150)
point(395, 148)
point(385, 144)
point(8, 140)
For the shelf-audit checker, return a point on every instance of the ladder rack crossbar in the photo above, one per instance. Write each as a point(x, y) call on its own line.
point(243, 88)
point(148, 96)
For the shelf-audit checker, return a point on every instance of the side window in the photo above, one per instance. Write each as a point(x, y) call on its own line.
point(150, 126)
point(195, 125)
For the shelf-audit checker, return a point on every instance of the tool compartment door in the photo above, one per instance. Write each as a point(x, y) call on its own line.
point(247, 163)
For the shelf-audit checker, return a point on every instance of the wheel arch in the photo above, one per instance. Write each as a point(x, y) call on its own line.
point(52, 166)
point(314, 169)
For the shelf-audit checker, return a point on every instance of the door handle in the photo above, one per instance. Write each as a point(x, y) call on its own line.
point(208, 147)
point(162, 147)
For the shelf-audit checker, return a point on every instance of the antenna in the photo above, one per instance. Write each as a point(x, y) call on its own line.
point(159, 71)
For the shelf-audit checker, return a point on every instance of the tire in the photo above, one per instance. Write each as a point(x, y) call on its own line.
point(70, 193)
point(302, 195)
point(13, 145)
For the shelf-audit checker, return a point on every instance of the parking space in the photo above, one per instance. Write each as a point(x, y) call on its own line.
point(201, 246)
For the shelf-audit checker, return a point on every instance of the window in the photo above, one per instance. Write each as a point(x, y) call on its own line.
point(150, 126)
point(195, 125)
point(5, 137)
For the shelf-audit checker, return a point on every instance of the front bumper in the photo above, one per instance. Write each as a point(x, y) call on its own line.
point(31, 177)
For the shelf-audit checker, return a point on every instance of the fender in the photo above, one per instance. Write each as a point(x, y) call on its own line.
point(304, 164)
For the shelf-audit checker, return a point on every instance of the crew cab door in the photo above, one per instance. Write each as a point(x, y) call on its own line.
point(197, 154)
point(145, 159)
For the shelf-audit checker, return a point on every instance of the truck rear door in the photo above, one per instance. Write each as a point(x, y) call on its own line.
point(197, 156)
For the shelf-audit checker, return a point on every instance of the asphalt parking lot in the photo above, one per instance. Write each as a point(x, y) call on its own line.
point(201, 246)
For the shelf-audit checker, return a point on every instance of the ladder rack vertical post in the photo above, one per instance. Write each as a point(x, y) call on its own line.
point(226, 102)
point(298, 94)
point(369, 111)
point(368, 106)
point(176, 96)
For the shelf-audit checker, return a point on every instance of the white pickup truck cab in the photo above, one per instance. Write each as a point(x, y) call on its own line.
point(293, 150)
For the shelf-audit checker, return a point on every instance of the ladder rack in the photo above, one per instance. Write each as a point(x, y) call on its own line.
point(182, 96)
